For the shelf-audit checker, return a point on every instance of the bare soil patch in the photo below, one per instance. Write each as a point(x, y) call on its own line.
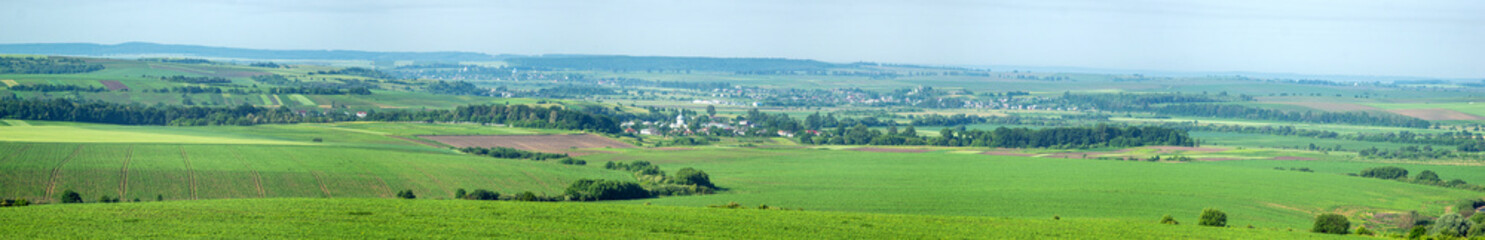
point(540, 143)
point(896, 150)
point(113, 85)
point(1433, 114)
point(1293, 158)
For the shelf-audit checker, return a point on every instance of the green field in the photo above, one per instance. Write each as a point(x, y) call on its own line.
point(392, 218)
point(938, 183)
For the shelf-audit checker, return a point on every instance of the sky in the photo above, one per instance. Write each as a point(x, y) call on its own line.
point(1443, 39)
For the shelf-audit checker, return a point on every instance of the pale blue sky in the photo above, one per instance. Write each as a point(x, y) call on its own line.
point(1353, 37)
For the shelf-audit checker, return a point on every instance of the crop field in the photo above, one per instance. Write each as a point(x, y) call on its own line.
point(1273, 141)
point(1470, 173)
point(394, 218)
point(567, 143)
point(209, 171)
point(302, 100)
point(937, 183)
point(1437, 110)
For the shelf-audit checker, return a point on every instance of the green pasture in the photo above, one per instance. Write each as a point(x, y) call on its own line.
point(937, 183)
point(395, 218)
point(211, 171)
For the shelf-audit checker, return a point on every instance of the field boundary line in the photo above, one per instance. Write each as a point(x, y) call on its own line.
point(190, 173)
point(316, 174)
point(124, 172)
point(257, 179)
point(51, 183)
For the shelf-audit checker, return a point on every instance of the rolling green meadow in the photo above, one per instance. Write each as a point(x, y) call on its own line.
point(394, 218)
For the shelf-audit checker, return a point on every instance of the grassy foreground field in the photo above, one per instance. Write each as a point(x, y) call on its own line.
point(399, 219)
point(944, 183)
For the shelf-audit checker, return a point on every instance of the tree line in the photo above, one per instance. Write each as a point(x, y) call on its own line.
point(1059, 137)
point(57, 88)
point(196, 80)
point(1205, 106)
point(45, 65)
point(136, 114)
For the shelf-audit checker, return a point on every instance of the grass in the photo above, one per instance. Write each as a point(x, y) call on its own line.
point(395, 218)
point(209, 171)
point(939, 183)
point(1468, 173)
point(96, 135)
point(1275, 141)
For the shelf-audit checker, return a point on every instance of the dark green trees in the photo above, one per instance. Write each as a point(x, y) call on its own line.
point(1388, 172)
point(590, 189)
point(1428, 176)
point(1167, 219)
point(406, 194)
point(1213, 218)
point(1331, 223)
point(691, 176)
point(1451, 224)
point(70, 196)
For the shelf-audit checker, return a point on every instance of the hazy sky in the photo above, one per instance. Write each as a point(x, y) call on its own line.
point(1354, 37)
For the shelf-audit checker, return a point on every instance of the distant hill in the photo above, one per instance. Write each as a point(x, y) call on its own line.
point(141, 48)
point(645, 63)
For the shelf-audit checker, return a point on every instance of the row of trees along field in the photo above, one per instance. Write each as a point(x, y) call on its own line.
point(516, 115)
point(57, 88)
point(45, 65)
point(1204, 106)
point(136, 114)
point(198, 80)
point(1059, 137)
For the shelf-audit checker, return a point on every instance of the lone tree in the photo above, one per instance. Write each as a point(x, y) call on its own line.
point(1428, 176)
point(691, 176)
point(459, 194)
point(1212, 217)
point(406, 194)
point(70, 196)
point(711, 110)
point(1331, 223)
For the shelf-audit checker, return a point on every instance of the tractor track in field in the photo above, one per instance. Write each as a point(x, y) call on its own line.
point(124, 172)
point(386, 189)
point(435, 179)
point(257, 179)
point(190, 173)
point(538, 180)
point(51, 183)
point(322, 184)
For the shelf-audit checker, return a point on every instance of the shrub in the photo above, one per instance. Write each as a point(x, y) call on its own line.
point(481, 194)
point(1363, 231)
point(406, 194)
point(70, 196)
point(21, 202)
point(1213, 218)
point(1450, 224)
point(318, 140)
point(1428, 176)
point(691, 176)
point(1388, 172)
point(526, 196)
point(1417, 232)
point(590, 189)
point(1478, 230)
point(1478, 218)
point(459, 194)
point(1331, 223)
point(1167, 219)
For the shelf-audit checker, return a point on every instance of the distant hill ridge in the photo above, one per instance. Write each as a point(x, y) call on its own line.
point(135, 48)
